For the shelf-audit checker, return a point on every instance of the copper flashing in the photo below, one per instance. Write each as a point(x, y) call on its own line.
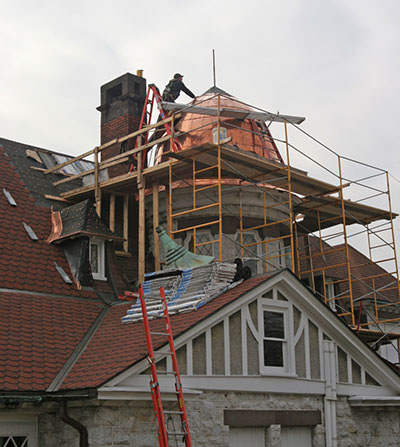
point(246, 133)
point(56, 226)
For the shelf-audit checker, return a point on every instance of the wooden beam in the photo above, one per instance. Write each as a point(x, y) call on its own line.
point(112, 211)
point(97, 190)
point(59, 199)
point(114, 141)
point(68, 162)
point(35, 168)
point(156, 222)
point(138, 150)
point(120, 158)
point(141, 234)
point(141, 267)
point(126, 223)
point(102, 165)
point(167, 194)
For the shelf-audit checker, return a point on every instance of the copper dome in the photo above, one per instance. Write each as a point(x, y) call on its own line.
point(246, 134)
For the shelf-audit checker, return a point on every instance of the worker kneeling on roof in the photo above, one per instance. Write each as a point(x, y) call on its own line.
point(174, 88)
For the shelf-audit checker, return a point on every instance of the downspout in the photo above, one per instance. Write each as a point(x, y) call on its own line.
point(83, 433)
point(330, 398)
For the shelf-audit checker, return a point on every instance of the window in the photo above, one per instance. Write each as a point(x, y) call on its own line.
point(330, 293)
point(296, 437)
point(275, 342)
point(17, 431)
point(222, 134)
point(204, 246)
point(249, 437)
point(254, 253)
point(390, 351)
point(97, 259)
point(14, 441)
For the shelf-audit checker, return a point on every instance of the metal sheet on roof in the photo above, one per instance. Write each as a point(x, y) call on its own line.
point(62, 273)
point(30, 232)
point(232, 113)
point(50, 160)
point(9, 197)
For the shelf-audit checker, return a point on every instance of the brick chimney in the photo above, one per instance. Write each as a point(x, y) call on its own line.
point(121, 108)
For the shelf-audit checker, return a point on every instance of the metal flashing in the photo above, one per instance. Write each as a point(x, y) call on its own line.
point(62, 273)
point(9, 197)
point(233, 113)
point(30, 232)
point(51, 159)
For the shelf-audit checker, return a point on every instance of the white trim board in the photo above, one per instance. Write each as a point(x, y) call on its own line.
point(259, 384)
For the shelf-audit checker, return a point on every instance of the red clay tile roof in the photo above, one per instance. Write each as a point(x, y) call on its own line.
point(38, 334)
point(43, 319)
point(116, 346)
point(26, 264)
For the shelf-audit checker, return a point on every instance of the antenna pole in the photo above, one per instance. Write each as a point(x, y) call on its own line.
point(213, 51)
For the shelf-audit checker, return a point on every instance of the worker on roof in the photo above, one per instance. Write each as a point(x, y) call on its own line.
point(174, 88)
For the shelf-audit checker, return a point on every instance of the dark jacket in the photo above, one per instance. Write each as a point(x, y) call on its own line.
point(173, 89)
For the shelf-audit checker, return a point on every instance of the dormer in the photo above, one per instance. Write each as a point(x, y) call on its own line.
point(87, 243)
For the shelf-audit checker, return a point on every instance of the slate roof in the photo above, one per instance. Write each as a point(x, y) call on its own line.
point(37, 183)
point(26, 264)
point(42, 318)
point(80, 219)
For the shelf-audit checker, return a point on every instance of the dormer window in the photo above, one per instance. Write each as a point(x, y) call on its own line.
point(223, 134)
point(97, 259)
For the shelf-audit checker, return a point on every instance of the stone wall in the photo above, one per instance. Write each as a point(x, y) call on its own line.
point(131, 423)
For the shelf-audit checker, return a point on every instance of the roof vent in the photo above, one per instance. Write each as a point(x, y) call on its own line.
point(30, 232)
point(62, 273)
point(9, 197)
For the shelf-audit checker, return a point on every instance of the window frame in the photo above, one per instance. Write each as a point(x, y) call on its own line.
point(251, 435)
point(261, 245)
point(20, 425)
point(285, 308)
point(330, 293)
point(258, 249)
point(190, 237)
point(100, 274)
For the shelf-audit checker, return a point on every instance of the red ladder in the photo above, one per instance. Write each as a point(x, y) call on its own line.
point(159, 413)
point(154, 95)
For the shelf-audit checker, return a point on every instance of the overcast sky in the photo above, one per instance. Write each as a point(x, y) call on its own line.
point(336, 62)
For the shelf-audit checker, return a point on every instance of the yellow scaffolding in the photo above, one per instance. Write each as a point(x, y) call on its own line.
point(318, 213)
